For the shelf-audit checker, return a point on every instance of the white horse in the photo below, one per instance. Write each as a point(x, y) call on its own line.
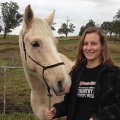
point(46, 70)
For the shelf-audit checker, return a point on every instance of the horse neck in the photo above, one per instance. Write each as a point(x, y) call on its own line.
point(36, 83)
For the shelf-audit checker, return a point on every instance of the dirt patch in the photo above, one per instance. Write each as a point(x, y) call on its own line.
point(9, 53)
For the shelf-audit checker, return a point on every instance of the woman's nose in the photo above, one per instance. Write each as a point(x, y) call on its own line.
point(88, 47)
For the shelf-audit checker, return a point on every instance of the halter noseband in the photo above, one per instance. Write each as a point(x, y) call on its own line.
point(45, 67)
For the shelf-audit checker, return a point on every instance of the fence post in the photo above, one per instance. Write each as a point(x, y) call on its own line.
point(4, 90)
point(5, 68)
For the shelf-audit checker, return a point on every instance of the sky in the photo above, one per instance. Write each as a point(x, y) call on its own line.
point(79, 12)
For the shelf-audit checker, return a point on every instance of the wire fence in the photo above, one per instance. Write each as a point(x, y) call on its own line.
point(14, 90)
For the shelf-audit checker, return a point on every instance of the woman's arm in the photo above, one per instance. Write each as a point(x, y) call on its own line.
point(62, 107)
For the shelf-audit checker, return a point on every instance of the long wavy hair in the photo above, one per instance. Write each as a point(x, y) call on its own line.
point(104, 57)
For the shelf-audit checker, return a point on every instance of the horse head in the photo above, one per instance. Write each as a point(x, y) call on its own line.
point(39, 53)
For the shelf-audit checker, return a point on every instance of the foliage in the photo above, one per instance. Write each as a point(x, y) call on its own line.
point(117, 16)
point(117, 23)
point(66, 28)
point(63, 29)
point(91, 23)
point(52, 27)
point(116, 27)
point(112, 27)
point(106, 27)
point(1, 28)
point(10, 16)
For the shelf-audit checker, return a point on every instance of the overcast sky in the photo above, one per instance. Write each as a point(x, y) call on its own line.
point(78, 11)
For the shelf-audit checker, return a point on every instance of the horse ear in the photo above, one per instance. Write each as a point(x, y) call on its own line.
point(28, 16)
point(50, 18)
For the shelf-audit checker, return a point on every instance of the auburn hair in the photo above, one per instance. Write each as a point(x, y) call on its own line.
point(104, 58)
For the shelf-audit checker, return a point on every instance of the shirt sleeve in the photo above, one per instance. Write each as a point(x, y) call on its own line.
point(62, 107)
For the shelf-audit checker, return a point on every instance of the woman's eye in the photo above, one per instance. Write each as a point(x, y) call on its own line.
point(85, 43)
point(94, 43)
point(35, 44)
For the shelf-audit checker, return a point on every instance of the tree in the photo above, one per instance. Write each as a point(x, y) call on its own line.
point(117, 16)
point(116, 27)
point(107, 27)
point(1, 27)
point(117, 23)
point(91, 23)
point(71, 28)
point(10, 16)
point(63, 29)
point(52, 27)
point(66, 28)
point(82, 29)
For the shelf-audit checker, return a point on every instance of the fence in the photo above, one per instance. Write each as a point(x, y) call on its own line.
point(14, 90)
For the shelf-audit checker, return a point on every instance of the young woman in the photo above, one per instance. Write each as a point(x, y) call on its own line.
point(95, 89)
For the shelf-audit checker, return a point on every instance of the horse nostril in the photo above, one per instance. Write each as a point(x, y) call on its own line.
point(60, 86)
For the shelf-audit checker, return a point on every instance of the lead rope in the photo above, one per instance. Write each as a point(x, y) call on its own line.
point(49, 99)
point(48, 90)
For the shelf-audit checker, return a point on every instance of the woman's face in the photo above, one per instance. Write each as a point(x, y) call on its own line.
point(92, 47)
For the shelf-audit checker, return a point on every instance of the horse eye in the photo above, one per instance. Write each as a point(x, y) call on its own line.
point(35, 44)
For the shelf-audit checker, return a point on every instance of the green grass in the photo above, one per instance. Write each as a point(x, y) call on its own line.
point(9, 38)
point(71, 41)
point(10, 62)
point(114, 50)
point(114, 47)
point(17, 91)
point(17, 116)
point(68, 48)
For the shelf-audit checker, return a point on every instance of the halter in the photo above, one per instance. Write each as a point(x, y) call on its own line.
point(45, 67)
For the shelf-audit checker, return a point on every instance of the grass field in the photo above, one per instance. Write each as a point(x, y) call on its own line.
point(17, 116)
point(17, 89)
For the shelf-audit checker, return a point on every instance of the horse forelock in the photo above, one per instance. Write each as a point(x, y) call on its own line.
point(40, 26)
point(37, 27)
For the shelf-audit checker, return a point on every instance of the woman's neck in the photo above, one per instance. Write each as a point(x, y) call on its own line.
point(92, 64)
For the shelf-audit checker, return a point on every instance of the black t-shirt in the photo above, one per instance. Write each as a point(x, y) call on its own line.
point(86, 103)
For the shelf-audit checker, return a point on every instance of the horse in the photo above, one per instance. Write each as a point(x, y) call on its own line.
point(47, 70)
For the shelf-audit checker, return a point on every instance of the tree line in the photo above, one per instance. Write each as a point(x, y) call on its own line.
point(11, 18)
point(110, 28)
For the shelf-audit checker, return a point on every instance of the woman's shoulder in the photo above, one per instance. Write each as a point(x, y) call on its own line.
point(111, 68)
point(113, 71)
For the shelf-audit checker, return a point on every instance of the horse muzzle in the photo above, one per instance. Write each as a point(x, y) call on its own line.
point(61, 88)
